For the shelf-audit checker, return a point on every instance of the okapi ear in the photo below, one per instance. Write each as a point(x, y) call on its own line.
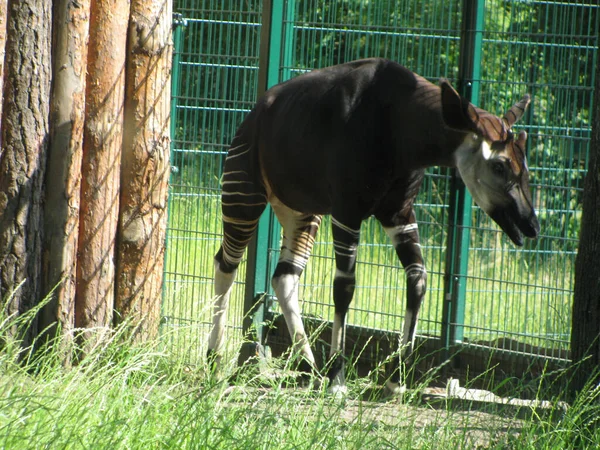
point(516, 111)
point(457, 112)
point(522, 140)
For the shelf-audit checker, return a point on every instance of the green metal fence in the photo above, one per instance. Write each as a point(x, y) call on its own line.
point(481, 288)
point(215, 77)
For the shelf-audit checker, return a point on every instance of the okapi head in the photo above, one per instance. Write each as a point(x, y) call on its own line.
point(493, 163)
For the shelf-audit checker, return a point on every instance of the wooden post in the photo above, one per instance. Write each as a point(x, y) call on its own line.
point(63, 180)
point(101, 163)
point(145, 166)
point(3, 23)
point(585, 325)
point(23, 152)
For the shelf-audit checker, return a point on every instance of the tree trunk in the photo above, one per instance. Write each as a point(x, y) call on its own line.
point(585, 331)
point(101, 163)
point(145, 166)
point(63, 178)
point(3, 22)
point(23, 151)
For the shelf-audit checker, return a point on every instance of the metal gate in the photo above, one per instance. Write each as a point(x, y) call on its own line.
point(482, 290)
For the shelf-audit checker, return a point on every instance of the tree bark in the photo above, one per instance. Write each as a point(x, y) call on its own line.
point(3, 22)
point(101, 163)
point(145, 166)
point(585, 330)
point(63, 178)
point(23, 152)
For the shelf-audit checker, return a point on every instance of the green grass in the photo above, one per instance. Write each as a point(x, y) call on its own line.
point(140, 396)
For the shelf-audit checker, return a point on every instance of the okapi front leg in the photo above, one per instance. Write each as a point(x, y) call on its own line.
point(405, 238)
point(345, 243)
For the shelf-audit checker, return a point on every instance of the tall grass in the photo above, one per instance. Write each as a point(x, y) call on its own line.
point(139, 396)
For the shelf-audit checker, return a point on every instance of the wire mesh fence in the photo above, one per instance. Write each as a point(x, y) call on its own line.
point(215, 77)
point(515, 297)
point(547, 49)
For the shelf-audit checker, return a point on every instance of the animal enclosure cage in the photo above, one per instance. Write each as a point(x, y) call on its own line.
point(482, 291)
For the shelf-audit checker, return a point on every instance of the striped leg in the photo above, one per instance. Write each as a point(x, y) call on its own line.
point(299, 232)
point(405, 238)
point(345, 243)
point(243, 199)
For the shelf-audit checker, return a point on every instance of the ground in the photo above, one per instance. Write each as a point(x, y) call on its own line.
point(477, 418)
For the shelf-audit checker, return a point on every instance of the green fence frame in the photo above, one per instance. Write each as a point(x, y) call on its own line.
point(474, 271)
point(457, 252)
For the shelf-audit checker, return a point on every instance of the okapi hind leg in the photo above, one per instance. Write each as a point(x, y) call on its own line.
point(223, 283)
point(299, 232)
point(406, 241)
point(243, 199)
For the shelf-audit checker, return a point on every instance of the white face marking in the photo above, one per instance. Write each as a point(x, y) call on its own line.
point(468, 160)
point(486, 150)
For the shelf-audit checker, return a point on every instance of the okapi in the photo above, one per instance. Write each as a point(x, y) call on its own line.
point(353, 141)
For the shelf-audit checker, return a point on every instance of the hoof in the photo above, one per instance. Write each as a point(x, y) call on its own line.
point(213, 361)
point(393, 389)
point(253, 353)
point(310, 377)
point(310, 380)
point(338, 390)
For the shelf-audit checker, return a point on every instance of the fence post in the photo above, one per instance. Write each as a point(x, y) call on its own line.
point(457, 251)
point(274, 50)
point(179, 23)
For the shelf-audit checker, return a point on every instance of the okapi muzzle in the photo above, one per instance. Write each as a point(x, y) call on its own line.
point(493, 165)
point(514, 212)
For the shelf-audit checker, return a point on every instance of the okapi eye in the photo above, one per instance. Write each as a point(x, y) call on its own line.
point(498, 168)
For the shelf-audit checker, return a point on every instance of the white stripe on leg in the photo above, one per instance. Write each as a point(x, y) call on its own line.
point(337, 336)
point(223, 283)
point(338, 387)
point(286, 290)
point(338, 330)
point(407, 340)
point(406, 345)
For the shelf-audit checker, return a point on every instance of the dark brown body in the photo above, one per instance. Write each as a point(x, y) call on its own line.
point(321, 142)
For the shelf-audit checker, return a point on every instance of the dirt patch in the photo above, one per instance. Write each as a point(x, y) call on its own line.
point(479, 429)
point(478, 422)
